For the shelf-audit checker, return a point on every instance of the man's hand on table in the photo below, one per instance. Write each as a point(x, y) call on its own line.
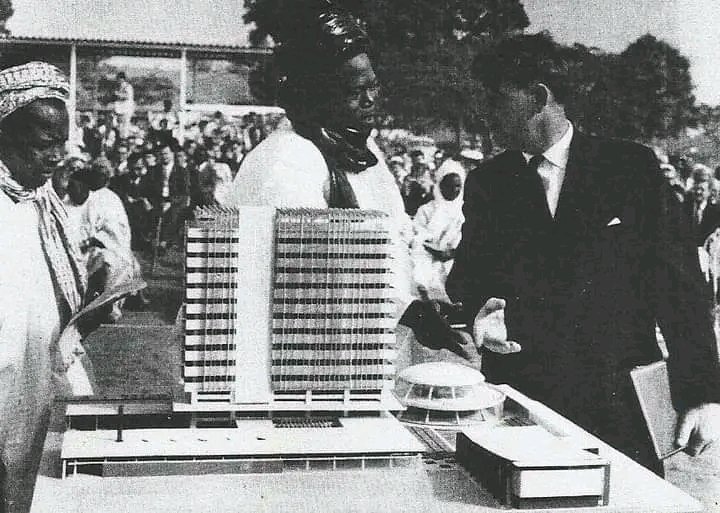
point(489, 328)
point(699, 427)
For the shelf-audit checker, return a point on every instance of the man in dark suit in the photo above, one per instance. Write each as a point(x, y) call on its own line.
point(136, 192)
point(171, 193)
point(704, 214)
point(574, 247)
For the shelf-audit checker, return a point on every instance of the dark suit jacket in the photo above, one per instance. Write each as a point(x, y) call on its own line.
point(710, 220)
point(125, 187)
point(585, 289)
point(179, 183)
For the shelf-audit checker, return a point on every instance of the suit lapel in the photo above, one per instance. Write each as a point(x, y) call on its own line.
point(582, 203)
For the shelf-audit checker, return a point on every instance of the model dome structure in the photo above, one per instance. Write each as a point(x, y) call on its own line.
point(447, 394)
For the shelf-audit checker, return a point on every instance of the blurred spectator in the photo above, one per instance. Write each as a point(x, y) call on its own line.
point(671, 175)
point(101, 229)
point(170, 195)
point(172, 121)
point(715, 191)
point(397, 168)
point(698, 173)
point(471, 158)
point(149, 157)
point(438, 227)
point(135, 191)
point(451, 164)
point(705, 215)
point(163, 135)
point(214, 126)
point(214, 182)
point(124, 104)
point(91, 137)
point(438, 158)
point(417, 188)
point(120, 159)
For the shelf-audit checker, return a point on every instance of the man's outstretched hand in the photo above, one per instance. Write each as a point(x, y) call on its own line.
point(430, 323)
point(699, 428)
point(489, 328)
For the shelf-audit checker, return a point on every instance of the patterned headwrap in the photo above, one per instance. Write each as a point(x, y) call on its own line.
point(19, 87)
point(22, 85)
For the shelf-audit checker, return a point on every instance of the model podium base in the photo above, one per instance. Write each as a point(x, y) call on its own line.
point(252, 446)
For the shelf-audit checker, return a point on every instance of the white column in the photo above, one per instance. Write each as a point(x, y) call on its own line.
point(183, 78)
point(183, 93)
point(72, 101)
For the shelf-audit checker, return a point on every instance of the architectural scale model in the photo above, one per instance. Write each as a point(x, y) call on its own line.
point(287, 354)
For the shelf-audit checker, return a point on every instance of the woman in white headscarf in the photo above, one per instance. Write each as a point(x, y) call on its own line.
point(438, 227)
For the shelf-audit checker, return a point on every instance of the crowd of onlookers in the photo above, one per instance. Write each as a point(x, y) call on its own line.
point(164, 167)
point(160, 172)
point(697, 187)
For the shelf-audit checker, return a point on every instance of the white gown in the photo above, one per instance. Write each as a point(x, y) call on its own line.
point(288, 171)
point(29, 358)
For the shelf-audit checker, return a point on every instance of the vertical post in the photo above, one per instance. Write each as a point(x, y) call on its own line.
point(72, 101)
point(183, 93)
point(121, 421)
point(183, 78)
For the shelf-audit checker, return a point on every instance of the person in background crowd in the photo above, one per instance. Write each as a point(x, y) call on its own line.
point(704, 214)
point(168, 115)
point(120, 159)
point(417, 187)
point(438, 227)
point(149, 156)
point(671, 175)
point(171, 195)
point(452, 164)
point(699, 173)
point(214, 181)
point(101, 229)
point(715, 191)
point(438, 158)
point(124, 104)
point(564, 289)
point(163, 136)
point(328, 158)
point(256, 130)
point(232, 157)
point(136, 192)
point(42, 280)
point(471, 158)
point(214, 126)
point(397, 168)
point(92, 139)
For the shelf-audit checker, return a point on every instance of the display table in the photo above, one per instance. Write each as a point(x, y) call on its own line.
point(436, 485)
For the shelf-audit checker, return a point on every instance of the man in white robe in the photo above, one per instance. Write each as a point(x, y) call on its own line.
point(100, 227)
point(42, 282)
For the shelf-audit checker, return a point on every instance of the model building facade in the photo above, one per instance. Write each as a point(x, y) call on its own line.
point(289, 305)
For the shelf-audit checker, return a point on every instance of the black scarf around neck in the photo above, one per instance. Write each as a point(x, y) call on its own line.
point(344, 152)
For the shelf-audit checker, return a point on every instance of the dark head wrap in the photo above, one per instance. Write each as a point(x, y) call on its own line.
point(310, 54)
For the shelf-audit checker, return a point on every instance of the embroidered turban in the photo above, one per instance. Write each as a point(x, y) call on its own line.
point(22, 85)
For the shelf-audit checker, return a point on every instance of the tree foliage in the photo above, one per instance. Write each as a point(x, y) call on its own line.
point(642, 93)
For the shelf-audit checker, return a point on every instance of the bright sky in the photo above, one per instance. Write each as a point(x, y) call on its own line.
point(693, 26)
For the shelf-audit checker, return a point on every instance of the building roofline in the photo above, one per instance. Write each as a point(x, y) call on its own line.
point(112, 44)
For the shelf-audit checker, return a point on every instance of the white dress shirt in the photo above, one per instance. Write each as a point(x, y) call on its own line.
point(552, 168)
